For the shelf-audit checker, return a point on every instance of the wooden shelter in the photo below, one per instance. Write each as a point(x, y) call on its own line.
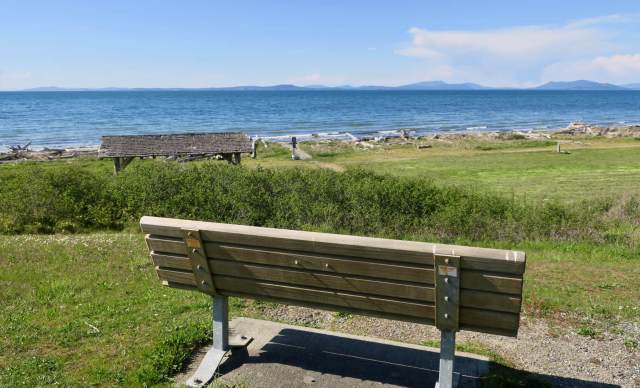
point(225, 145)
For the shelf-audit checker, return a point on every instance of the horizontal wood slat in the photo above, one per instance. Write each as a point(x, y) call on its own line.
point(474, 280)
point(343, 245)
point(171, 262)
point(336, 264)
point(323, 280)
point(490, 301)
point(383, 275)
point(175, 276)
point(480, 320)
point(389, 278)
point(335, 298)
point(469, 298)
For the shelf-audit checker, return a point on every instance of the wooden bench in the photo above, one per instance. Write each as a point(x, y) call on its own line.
point(451, 287)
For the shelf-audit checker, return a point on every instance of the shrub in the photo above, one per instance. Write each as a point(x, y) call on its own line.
point(68, 198)
point(75, 198)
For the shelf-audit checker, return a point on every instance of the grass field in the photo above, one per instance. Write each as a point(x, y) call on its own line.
point(593, 168)
point(87, 309)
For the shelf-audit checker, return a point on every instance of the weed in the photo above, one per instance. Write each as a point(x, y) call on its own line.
point(343, 314)
point(587, 331)
point(631, 344)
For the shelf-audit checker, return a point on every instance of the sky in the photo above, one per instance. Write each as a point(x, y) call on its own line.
point(193, 43)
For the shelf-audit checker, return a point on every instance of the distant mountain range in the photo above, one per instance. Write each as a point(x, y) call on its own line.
point(426, 85)
point(579, 85)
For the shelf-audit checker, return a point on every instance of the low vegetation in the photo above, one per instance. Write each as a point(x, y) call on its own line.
point(75, 197)
point(87, 309)
point(80, 304)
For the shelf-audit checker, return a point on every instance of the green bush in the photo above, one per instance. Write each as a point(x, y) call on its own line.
point(65, 199)
point(71, 198)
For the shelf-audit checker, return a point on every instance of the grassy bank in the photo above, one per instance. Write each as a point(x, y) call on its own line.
point(82, 306)
point(88, 309)
point(75, 197)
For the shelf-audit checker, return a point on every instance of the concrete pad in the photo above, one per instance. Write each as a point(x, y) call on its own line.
point(290, 356)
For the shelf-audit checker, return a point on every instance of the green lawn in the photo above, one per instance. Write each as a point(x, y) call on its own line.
point(88, 310)
point(582, 174)
point(84, 309)
point(528, 169)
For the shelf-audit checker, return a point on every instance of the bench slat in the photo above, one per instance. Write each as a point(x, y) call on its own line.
point(342, 265)
point(484, 318)
point(423, 313)
point(344, 245)
point(323, 280)
point(170, 261)
point(470, 318)
point(175, 276)
point(473, 280)
point(469, 298)
point(335, 298)
point(470, 280)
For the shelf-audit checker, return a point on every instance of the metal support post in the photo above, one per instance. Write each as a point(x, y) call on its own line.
point(221, 322)
point(447, 354)
point(447, 284)
point(212, 360)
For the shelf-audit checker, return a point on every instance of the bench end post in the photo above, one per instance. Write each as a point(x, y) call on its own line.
point(447, 354)
point(212, 360)
point(447, 285)
point(221, 322)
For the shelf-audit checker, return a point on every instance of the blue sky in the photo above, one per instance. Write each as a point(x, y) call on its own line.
point(222, 43)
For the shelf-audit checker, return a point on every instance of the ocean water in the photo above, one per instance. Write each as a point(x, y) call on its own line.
point(80, 118)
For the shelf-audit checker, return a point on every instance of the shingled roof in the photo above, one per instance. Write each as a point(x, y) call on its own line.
point(174, 144)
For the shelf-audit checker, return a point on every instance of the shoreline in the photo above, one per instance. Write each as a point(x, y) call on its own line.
point(353, 134)
point(578, 129)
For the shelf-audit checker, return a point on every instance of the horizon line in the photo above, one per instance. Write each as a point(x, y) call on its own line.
point(466, 85)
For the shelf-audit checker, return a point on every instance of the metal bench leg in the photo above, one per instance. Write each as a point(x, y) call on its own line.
point(221, 344)
point(447, 354)
point(214, 356)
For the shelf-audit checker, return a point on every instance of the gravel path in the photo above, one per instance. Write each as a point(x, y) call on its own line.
point(552, 352)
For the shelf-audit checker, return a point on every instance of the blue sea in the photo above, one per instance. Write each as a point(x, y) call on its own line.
point(63, 119)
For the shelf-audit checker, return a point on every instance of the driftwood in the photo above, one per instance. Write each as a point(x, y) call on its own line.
point(20, 148)
point(24, 152)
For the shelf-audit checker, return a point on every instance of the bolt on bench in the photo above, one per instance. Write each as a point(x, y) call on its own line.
point(451, 287)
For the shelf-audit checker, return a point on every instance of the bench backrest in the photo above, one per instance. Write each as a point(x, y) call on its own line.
point(454, 287)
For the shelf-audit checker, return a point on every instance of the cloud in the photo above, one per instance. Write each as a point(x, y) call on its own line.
point(315, 79)
point(622, 68)
point(513, 55)
point(513, 44)
point(615, 18)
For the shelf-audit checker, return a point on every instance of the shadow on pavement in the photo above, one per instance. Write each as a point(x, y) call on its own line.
point(336, 357)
